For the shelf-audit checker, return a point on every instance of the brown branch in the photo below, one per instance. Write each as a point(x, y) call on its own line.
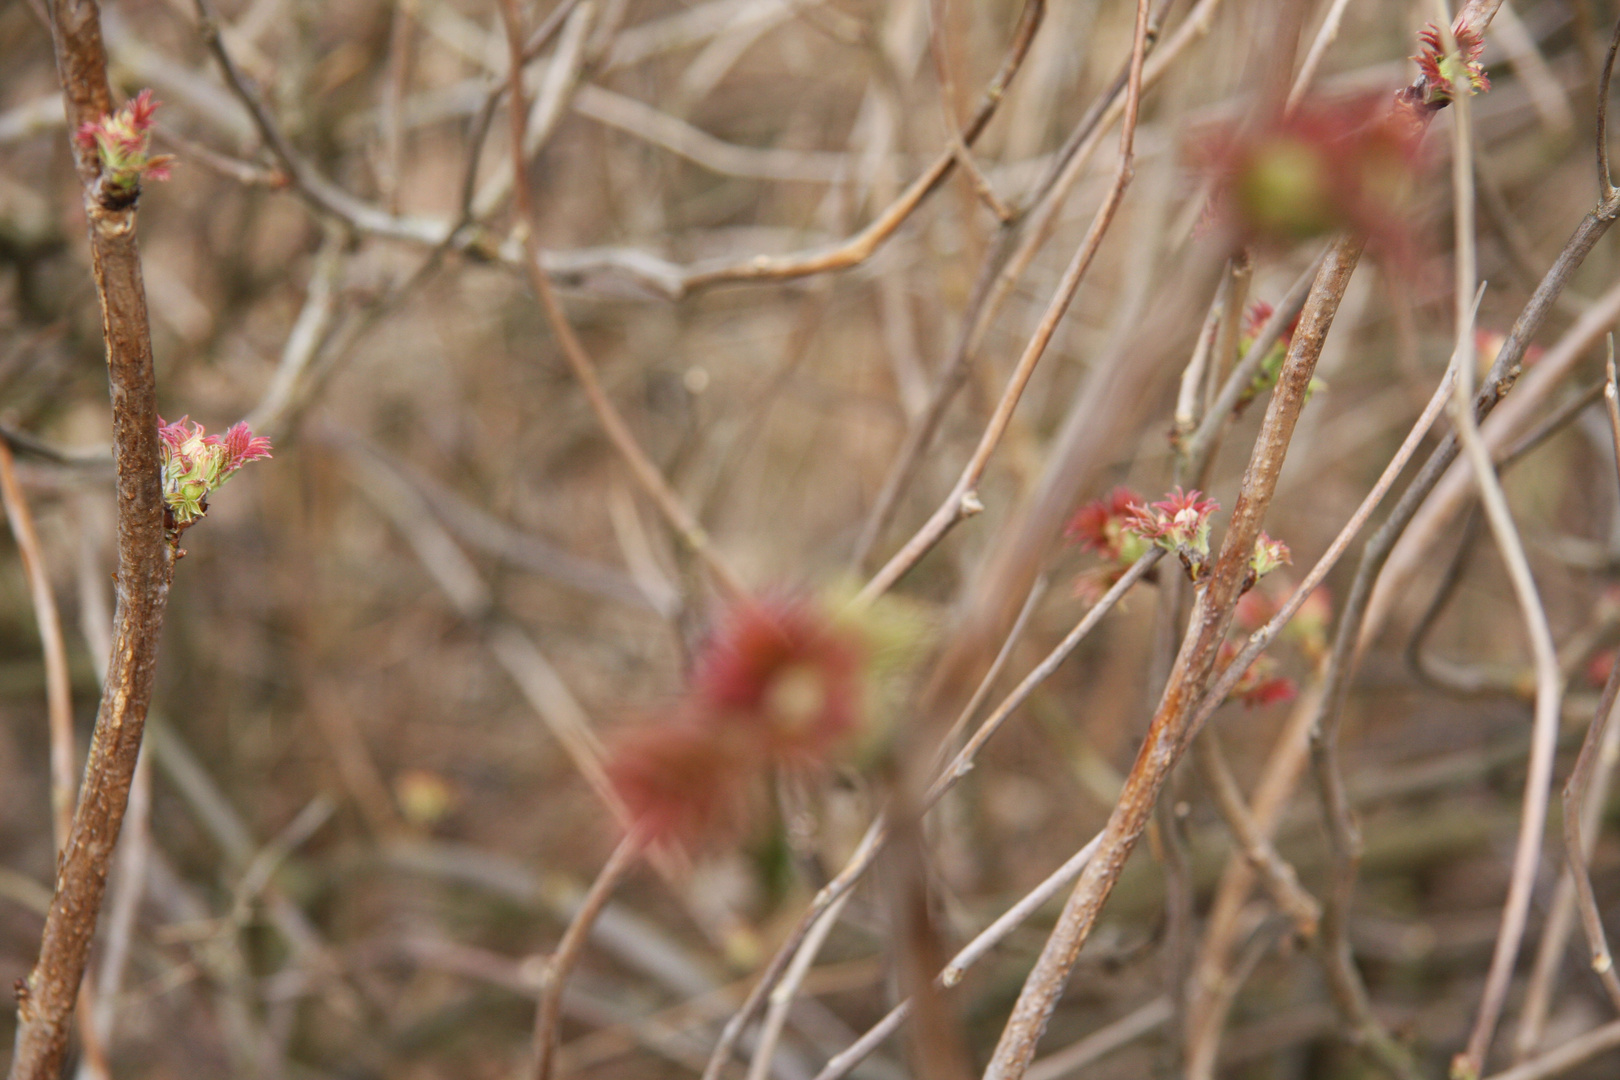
point(1580, 779)
point(145, 566)
point(963, 501)
point(1193, 668)
point(549, 1013)
point(58, 690)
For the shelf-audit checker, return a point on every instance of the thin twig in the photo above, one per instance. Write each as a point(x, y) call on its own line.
point(646, 473)
point(1193, 668)
point(549, 1013)
point(58, 689)
point(1549, 678)
point(785, 991)
point(1605, 177)
point(844, 1062)
point(877, 834)
point(1319, 47)
point(1580, 780)
point(1571, 1054)
point(1276, 874)
point(963, 501)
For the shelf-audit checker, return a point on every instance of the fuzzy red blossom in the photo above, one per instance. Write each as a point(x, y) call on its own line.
point(1444, 73)
point(682, 782)
point(785, 672)
point(778, 685)
point(1100, 526)
point(122, 143)
point(1328, 166)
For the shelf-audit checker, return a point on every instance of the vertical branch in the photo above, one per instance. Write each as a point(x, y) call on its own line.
point(58, 692)
point(1549, 679)
point(145, 566)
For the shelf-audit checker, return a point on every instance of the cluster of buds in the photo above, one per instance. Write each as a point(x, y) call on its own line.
point(1445, 73)
point(778, 685)
point(1268, 555)
point(1123, 527)
point(196, 464)
point(1179, 523)
point(122, 142)
point(1325, 167)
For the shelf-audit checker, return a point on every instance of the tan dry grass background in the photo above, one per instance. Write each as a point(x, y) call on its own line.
point(311, 655)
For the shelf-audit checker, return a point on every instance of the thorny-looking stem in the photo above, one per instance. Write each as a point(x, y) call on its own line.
point(963, 501)
point(646, 473)
point(1166, 734)
point(145, 566)
point(549, 1013)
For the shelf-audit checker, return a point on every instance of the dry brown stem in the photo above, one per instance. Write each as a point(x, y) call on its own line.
point(1194, 665)
point(963, 501)
point(145, 565)
point(646, 473)
point(549, 1013)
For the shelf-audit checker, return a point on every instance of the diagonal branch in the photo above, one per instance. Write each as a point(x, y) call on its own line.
point(1191, 673)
